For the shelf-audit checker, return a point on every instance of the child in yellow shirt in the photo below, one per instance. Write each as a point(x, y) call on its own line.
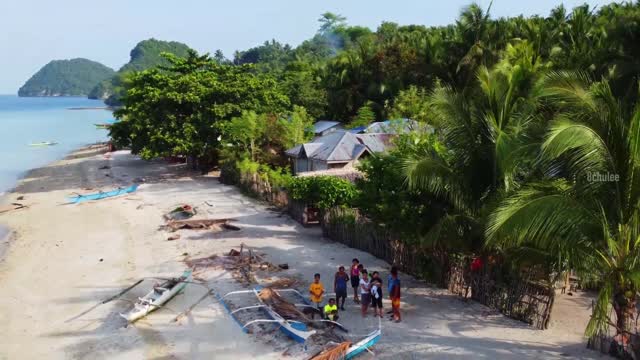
point(316, 289)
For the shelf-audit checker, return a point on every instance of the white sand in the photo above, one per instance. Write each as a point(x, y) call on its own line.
point(53, 271)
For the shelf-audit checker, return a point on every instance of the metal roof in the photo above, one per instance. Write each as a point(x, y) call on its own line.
point(342, 146)
point(376, 142)
point(324, 125)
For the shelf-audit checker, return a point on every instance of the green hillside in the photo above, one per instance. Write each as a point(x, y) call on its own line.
point(75, 77)
point(144, 55)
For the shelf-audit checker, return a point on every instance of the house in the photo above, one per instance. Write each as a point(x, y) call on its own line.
point(337, 150)
point(395, 126)
point(324, 127)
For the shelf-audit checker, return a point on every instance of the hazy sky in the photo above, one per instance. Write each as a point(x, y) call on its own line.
point(33, 32)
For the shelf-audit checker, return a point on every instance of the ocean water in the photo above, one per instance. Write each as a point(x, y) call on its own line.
point(29, 120)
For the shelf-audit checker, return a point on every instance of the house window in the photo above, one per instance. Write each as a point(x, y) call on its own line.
point(336, 166)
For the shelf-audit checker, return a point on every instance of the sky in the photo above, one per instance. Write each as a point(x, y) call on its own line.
point(34, 32)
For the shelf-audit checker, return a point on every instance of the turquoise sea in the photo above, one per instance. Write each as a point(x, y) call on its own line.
point(30, 120)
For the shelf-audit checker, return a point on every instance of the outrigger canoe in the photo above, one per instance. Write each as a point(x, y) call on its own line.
point(102, 195)
point(158, 296)
point(364, 344)
point(296, 330)
point(44, 143)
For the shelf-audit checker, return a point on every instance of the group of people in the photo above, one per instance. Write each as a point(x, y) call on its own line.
point(366, 292)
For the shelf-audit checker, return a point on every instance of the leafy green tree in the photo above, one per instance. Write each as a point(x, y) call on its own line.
point(177, 109)
point(364, 117)
point(412, 103)
point(295, 128)
point(246, 130)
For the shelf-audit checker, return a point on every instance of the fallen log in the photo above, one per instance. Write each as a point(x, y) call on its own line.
point(202, 224)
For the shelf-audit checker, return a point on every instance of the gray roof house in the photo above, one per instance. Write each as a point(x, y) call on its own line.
point(324, 127)
point(337, 150)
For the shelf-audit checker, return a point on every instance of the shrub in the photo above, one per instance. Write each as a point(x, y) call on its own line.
point(322, 191)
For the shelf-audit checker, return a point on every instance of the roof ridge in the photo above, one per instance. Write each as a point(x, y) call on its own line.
point(344, 133)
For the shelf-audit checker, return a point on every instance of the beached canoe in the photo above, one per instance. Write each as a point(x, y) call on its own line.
point(295, 330)
point(158, 296)
point(44, 143)
point(363, 345)
point(102, 195)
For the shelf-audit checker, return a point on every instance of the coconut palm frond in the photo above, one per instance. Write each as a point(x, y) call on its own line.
point(546, 217)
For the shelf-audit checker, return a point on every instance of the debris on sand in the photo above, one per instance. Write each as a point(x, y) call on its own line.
point(242, 264)
point(202, 224)
point(182, 212)
point(283, 266)
point(12, 207)
point(21, 197)
point(173, 237)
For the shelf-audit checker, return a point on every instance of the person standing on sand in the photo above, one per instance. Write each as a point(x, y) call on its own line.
point(365, 294)
point(390, 285)
point(316, 289)
point(355, 279)
point(395, 296)
point(340, 286)
point(376, 294)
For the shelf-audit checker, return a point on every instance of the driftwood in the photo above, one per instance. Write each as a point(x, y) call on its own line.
point(202, 224)
point(335, 353)
point(12, 207)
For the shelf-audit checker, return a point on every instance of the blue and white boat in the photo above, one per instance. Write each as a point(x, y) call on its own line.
point(102, 195)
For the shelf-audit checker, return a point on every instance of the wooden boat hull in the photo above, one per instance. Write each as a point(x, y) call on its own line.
point(139, 311)
point(102, 195)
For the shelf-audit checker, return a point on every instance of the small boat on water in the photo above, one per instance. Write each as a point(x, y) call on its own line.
point(158, 296)
point(102, 195)
point(44, 143)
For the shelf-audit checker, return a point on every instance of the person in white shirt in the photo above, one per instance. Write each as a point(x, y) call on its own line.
point(365, 292)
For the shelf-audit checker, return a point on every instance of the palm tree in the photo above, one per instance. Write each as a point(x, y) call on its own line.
point(586, 209)
point(488, 136)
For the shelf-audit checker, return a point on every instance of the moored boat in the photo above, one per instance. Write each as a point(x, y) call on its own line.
point(44, 143)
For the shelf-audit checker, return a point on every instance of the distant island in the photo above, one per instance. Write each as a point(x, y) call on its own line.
point(75, 77)
point(82, 77)
point(144, 55)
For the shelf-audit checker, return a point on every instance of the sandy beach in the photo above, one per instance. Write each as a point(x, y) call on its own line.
point(62, 259)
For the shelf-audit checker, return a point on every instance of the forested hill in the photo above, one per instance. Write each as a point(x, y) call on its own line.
point(75, 77)
point(144, 55)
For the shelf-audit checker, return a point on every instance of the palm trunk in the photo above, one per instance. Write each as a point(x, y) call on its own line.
point(624, 305)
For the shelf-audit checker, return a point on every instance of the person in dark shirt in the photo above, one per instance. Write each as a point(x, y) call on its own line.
point(376, 294)
point(340, 286)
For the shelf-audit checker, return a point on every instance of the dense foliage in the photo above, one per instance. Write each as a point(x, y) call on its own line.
point(322, 191)
point(146, 54)
point(75, 77)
